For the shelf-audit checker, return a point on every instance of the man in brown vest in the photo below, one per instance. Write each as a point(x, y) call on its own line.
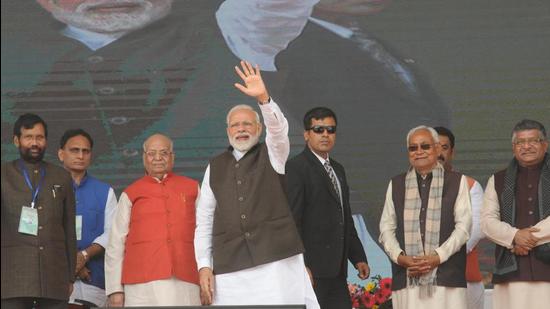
point(424, 227)
point(475, 290)
point(246, 239)
point(38, 224)
point(515, 213)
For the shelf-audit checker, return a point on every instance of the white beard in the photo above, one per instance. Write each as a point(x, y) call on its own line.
point(85, 18)
point(244, 146)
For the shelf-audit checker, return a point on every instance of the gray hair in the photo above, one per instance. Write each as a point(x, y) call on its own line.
point(528, 124)
point(242, 107)
point(432, 131)
point(158, 134)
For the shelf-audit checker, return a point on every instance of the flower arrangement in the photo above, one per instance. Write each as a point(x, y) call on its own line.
point(375, 295)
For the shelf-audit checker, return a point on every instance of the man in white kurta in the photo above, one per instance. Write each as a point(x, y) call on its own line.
point(475, 291)
point(436, 277)
point(284, 281)
point(515, 217)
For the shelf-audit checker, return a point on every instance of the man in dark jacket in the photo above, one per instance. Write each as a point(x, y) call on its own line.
point(318, 195)
point(38, 224)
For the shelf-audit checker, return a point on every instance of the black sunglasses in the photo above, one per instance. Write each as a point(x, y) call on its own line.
point(413, 148)
point(320, 129)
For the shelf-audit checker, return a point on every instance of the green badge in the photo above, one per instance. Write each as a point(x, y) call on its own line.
point(78, 223)
point(28, 223)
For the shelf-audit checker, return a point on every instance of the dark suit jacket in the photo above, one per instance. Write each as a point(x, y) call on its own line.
point(42, 265)
point(329, 239)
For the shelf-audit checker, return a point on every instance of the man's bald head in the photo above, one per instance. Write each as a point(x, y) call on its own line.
point(158, 155)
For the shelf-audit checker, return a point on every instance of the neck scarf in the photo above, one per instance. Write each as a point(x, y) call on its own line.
point(411, 217)
point(506, 261)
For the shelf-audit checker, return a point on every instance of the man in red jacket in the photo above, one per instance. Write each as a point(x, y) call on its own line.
point(150, 258)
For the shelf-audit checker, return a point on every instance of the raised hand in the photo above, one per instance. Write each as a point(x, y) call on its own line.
point(253, 84)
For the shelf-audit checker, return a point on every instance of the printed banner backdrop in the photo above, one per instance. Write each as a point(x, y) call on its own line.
point(125, 70)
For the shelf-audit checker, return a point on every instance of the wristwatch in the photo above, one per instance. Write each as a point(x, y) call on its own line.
point(85, 254)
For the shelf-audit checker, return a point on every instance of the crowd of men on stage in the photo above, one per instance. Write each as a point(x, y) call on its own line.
point(262, 229)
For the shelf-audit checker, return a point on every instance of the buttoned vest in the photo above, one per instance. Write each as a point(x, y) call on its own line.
point(159, 244)
point(252, 221)
point(452, 272)
point(526, 199)
point(91, 198)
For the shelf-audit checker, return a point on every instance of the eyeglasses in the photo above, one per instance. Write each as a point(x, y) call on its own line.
point(528, 141)
point(153, 154)
point(321, 129)
point(425, 147)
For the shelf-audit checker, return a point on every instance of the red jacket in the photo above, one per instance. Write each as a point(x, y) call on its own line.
point(159, 244)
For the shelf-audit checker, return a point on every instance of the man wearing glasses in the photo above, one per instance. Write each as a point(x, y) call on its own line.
point(95, 208)
point(150, 258)
point(318, 195)
point(515, 217)
point(424, 227)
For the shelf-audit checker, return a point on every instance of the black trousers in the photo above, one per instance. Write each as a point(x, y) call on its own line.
point(34, 302)
point(332, 293)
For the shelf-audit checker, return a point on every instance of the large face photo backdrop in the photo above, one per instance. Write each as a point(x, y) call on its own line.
point(123, 70)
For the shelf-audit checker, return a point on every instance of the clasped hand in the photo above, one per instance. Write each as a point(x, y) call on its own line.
point(418, 265)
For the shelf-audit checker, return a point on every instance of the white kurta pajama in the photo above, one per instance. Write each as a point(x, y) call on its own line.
point(443, 297)
point(513, 294)
point(163, 292)
point(284, 281)
point(475, 290)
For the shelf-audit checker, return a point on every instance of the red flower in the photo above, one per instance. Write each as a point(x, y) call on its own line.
point(368, 300)
point(380, 298)
point(355, 303)
point(385, 283)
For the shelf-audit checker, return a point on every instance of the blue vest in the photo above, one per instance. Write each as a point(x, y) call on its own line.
point(91, 198)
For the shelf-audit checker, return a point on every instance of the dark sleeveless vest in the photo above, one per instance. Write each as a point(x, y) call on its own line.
point(527, 200)
point(452, 272)
point(253, 224)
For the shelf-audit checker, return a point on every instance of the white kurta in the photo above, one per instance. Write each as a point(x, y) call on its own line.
point(444, 297)
point(165, 292)
point(519, 294)
point(88, 292)
point(475, 290)
point(281, 282)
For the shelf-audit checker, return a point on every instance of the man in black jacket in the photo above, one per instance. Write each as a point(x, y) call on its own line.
point(318, 195)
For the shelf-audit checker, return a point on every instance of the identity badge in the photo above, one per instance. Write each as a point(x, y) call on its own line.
point(78, 222)
point(28, 223)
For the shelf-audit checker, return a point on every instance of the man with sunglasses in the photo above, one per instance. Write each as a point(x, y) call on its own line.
point(424, 227)
point(318, 195)
point(95, 208)
point(515, 216)
point(150, 258)
point(475, 290)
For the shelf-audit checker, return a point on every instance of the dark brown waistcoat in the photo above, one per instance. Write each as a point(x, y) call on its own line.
point(527, 214)
point(452, 272)
point(252, 221)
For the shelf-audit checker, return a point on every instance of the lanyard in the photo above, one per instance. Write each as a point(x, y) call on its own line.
point(34, 191)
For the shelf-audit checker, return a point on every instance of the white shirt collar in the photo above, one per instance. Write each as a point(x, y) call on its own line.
point(93, 40)
point(320, 158)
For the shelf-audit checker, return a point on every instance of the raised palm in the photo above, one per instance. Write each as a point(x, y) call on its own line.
point(253, 84)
